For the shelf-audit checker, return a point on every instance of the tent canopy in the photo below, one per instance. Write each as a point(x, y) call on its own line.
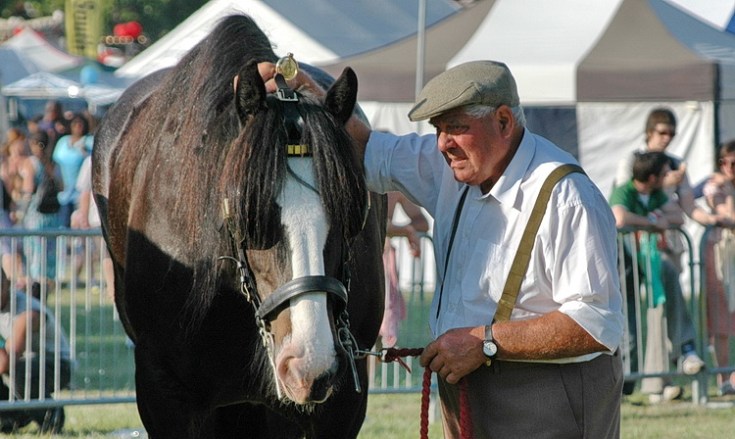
point(589, 72)
point(38, 54)
point(13, 66)
point(44, 85)
point(388, 74)
point(553, 39)
point(315, 31)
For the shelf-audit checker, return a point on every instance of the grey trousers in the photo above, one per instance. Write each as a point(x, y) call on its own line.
point(532, 400)
point(679, 329)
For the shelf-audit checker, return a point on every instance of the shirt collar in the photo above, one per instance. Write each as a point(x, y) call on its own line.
point(507, 188)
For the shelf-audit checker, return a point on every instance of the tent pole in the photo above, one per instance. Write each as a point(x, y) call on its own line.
point(420, 47)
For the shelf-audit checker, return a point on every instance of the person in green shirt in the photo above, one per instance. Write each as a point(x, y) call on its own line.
point(642, 203)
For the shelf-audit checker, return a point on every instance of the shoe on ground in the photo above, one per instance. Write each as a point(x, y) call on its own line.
point(727, 389)
point(52, 421)
point(628, 387)
point(670, 393)
point(691, 364)
point(12, 421)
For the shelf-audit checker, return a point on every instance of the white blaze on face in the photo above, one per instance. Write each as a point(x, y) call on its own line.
point(305, 222)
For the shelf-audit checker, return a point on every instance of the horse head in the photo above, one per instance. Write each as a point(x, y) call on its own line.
point(296, 232)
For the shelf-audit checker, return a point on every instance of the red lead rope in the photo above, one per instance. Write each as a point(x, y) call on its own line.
point(465, 418)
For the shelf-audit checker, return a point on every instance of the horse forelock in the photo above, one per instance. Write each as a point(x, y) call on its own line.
point(256, 165)
point(339, 172)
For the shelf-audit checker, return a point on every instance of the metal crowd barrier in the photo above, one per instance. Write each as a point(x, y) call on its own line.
point(70, 285)
point(717, 298)
point(415, 280)
point(645, 258)
point(102, 356)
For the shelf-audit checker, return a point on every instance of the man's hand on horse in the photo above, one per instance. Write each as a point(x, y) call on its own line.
point(301, 81)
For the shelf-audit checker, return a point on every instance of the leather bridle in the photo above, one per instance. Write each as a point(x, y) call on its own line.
point(337, 291)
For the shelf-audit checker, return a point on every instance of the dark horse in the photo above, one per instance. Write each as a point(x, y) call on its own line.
point(247, 257)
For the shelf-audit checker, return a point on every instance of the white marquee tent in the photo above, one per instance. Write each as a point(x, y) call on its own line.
point(316, 31)
point(589, 72)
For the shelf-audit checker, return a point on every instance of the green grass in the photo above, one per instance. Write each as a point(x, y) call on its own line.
point(397, 416)
point(103, 361)
point(105, 364)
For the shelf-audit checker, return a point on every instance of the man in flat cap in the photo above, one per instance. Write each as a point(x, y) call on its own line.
point(535, 342)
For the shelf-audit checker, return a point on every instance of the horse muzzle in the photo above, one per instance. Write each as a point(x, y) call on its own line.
point(306, 374)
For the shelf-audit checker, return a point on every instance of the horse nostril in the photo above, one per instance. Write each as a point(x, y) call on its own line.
point(322, 388)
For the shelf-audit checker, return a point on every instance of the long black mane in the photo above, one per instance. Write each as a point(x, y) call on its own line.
point(205, 147)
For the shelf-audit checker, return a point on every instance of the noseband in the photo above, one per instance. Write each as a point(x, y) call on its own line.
point(267, 310)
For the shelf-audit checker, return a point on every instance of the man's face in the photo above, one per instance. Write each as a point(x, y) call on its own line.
point(472, 147)
point(659, 180)
point(661, 136)
point(727, 166)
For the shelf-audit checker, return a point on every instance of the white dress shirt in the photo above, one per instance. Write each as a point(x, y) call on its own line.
point(573, 265)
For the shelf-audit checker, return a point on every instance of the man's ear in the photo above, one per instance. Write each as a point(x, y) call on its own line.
point(505, 119)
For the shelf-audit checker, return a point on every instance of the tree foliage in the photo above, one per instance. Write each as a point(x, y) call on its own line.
point(156, 16)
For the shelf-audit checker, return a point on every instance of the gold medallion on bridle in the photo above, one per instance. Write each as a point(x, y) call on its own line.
point(287, 66)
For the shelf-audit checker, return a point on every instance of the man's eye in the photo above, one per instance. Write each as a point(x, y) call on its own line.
point(456, 129)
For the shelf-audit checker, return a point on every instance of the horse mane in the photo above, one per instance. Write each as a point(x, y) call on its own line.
point(211, 154)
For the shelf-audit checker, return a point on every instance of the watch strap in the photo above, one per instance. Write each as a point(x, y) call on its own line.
point(489, 337)
point(489, 332)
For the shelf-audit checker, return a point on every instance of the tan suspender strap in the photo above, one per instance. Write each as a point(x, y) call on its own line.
point(523, 254)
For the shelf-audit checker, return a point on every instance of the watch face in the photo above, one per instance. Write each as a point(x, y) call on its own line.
point(489, 348)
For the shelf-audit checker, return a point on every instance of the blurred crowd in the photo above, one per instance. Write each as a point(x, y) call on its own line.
point(45, 169)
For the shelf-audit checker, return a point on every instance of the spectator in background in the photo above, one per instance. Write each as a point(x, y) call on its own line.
point(21, 320)
point(14, 157)
point(38, 217)
point(53, 114)
point(642, 202)
point(395, 306)
point(32, 124)
point(69, 153)
point(719, 264)
point(11, 258)
point(660, 130)
point(15, 168)
point(87, 216)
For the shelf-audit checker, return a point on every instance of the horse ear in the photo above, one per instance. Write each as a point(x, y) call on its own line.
point(342, 95)
point(249, 91)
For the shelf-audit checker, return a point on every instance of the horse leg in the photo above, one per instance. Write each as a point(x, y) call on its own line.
point(255, 421)
point(166, 408)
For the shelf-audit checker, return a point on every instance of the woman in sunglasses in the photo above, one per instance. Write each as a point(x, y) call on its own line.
point(719, 262)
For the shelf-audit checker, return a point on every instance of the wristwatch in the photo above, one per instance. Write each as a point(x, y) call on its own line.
point(489, 348)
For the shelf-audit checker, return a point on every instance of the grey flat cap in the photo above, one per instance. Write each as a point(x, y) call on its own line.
point(476, 82)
